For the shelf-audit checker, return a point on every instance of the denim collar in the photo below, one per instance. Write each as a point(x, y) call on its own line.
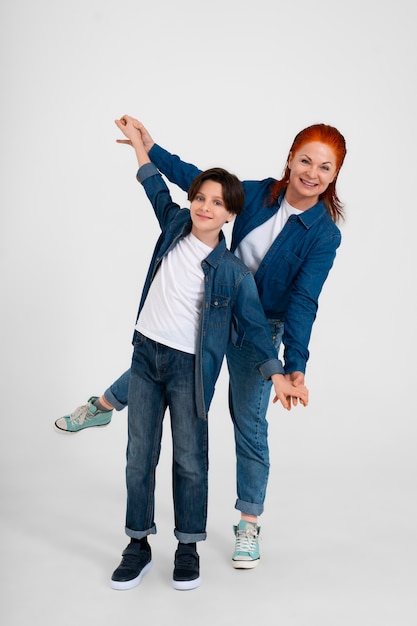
point(218, 252)
point(309, 217)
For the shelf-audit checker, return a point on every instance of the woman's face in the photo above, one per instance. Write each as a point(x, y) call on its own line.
point(312, 169)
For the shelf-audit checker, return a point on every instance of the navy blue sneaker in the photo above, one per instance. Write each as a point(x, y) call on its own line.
point(186, 567)
point(136, 562)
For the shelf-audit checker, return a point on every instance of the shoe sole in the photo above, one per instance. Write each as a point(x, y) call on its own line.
point(125, 585)
point(245, 564)
point(186, 585)
point(57, 429)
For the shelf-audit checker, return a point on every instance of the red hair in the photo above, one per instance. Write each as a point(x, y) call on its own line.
point(332, 138)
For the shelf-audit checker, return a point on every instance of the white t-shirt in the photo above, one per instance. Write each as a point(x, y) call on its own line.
point(171, 312)
point(256, 244)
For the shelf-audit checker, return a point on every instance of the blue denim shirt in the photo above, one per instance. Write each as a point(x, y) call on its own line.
point(293, 271)
point(230, 294)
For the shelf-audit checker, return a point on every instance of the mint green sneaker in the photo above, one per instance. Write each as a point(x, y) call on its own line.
point(246, 553)
point(84, 416)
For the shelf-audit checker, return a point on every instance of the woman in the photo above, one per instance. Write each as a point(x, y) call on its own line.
point(287, 235)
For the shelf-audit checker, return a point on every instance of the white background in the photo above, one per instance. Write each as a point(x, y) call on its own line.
point(228, 83)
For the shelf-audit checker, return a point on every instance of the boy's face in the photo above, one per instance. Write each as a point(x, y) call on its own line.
point(209, 213)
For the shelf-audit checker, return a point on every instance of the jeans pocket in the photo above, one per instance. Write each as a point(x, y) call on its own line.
point(138, 339)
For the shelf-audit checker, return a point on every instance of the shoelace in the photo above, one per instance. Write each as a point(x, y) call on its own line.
point(246, 539)
point(81, 414)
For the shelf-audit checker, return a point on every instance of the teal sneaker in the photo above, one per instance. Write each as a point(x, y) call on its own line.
point(84, 416)
point(246, 553)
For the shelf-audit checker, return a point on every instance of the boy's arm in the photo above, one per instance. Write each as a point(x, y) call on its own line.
point(152, 181)
point(129, 127)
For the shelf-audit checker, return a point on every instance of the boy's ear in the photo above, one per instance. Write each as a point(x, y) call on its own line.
point(230, 218)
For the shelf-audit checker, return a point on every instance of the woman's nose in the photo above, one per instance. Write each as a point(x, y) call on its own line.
point(311, 171)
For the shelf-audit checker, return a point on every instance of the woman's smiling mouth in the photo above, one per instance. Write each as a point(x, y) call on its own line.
point(307, 183)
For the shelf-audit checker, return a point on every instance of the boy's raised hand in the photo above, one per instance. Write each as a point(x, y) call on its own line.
point(148, 142)
point(127, 124)
point(129, 127)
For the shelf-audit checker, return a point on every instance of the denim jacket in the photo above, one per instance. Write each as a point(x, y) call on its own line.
point(230, 294)
point(293, 271)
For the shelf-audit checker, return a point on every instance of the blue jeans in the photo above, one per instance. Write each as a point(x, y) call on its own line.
point(162, 378)
point(249, 396)
point(118, 392)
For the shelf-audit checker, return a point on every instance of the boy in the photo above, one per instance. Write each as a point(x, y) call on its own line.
point(194, 291)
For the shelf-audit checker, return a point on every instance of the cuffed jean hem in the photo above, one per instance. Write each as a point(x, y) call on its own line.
point(139, 534)
point(111, 399)
point(118, 392)
point(189, 537)
point(250, 508)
